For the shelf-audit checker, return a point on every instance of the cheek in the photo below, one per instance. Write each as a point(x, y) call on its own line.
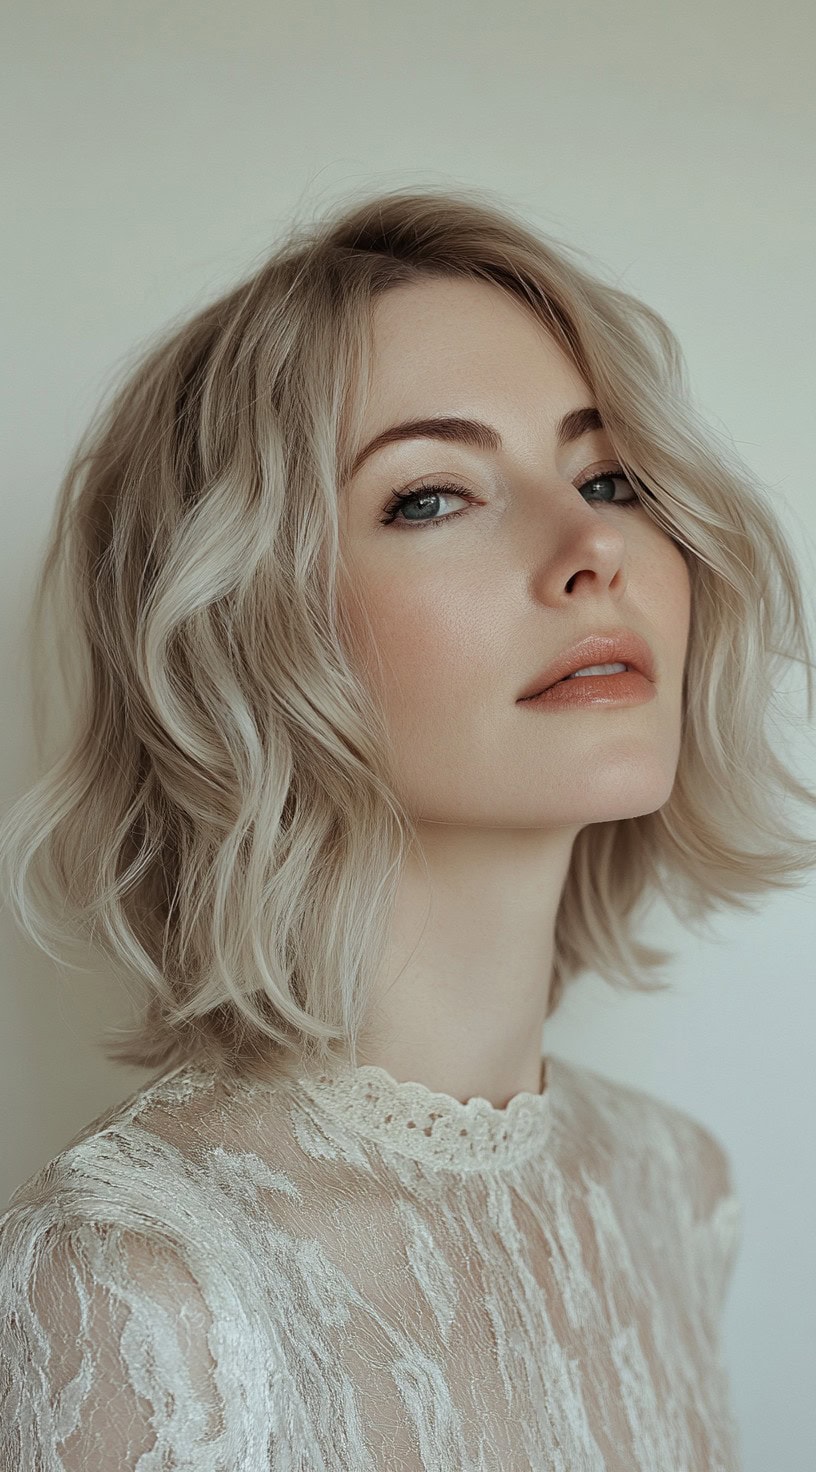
point(671, 597)
point(430, 640)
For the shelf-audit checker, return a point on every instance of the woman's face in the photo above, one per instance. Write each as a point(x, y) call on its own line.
point(455, 615)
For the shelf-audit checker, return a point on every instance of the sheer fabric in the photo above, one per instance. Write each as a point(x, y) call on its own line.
point(355, 1274)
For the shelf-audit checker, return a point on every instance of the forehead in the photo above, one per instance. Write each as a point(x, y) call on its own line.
point(446, 343)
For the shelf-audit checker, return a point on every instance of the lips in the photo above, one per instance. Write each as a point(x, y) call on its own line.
point(621, 646)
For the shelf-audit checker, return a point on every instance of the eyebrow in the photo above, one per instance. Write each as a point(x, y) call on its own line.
point(475, 432)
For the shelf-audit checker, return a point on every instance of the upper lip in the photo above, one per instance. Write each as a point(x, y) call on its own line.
point(618, 646)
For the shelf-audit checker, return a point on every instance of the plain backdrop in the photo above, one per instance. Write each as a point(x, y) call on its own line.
point(154, 151)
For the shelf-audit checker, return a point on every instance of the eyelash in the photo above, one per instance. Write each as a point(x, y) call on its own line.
point(401, 498)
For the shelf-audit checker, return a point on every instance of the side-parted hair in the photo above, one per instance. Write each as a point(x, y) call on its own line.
point(222, 824)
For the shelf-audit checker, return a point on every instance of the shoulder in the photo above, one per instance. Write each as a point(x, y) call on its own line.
point(133, 1292)
point(633, 1122)
point(145, 1171)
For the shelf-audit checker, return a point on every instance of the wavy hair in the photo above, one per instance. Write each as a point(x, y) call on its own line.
point(221, 822)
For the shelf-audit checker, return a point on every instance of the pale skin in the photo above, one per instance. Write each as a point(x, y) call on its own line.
point(455, 619)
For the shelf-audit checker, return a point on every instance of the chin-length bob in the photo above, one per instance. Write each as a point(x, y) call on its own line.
point(222, 824)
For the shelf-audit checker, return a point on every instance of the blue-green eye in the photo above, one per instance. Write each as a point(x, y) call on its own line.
point(435, 492)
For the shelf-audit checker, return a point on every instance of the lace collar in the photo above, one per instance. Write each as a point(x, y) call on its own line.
point(434, 1128)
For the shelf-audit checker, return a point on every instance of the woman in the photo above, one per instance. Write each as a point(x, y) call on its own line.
point(317, 805)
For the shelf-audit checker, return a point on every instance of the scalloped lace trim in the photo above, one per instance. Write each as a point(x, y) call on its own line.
point(434, 1127)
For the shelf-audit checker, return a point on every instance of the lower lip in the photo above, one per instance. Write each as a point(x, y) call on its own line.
point(629, 687)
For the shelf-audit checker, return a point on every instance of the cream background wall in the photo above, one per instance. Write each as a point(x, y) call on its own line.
point(153, 151)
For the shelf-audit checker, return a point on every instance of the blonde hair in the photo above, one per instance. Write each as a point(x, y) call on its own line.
point(222, 825)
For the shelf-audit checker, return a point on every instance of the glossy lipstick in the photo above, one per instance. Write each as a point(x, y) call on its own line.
point(629, 687)
point(616, 646)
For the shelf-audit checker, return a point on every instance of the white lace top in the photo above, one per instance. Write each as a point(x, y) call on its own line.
point(221, 1275)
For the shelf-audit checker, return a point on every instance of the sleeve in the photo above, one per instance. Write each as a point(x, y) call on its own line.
point(104, 1354)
